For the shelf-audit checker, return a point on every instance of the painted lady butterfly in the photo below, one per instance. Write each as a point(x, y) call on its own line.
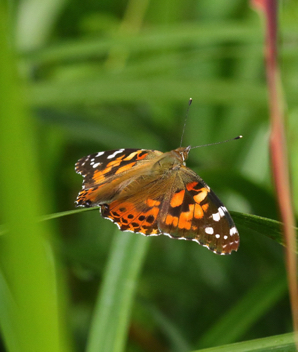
point(154, 193)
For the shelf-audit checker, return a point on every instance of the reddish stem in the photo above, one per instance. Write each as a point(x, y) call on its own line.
point(278, 148)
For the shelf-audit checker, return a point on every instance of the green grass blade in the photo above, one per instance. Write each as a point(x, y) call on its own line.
point(247, 222)
point(247, 311)
point(35, 21)
point(278, 343)
point(7, 312)
point(111, 316)
point(162, 37)
point(171, 331)
point(125, 89)
point(262, 226)
point(26, 259)
point(65, 213)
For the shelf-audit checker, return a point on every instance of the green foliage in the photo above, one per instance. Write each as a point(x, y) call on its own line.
point(96, 76)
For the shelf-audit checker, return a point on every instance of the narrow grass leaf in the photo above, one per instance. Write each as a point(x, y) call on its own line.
point(8, 310)
point(278, 343)
point(263, 226)
point(110, 321)
point(260, 225)
point(162, 37)
point(107, 88)
point(174, 334)
point(26, 258)
point(247, 311)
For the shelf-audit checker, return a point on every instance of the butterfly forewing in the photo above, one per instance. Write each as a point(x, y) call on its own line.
point(102, 168)
point(97, 167)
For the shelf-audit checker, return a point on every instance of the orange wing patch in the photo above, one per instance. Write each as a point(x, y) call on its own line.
point(99, 176)
point(125, 168)
point(152, 203)
point(131, 156)
point(177, 199)
point(205, 207)
point(139, 155)
point(201, 195)
point(171, 220)
point(191, 186)
point(88, 196)
point(198, 213)
point(142, 156)
point(185, 220)
point(129, 218)
point(115, 162)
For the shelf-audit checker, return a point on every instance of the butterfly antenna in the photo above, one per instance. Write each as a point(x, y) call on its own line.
point(207, 145)
point(189, 103)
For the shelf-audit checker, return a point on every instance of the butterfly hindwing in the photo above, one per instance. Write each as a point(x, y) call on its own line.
point(195, 213)
point(129, 217)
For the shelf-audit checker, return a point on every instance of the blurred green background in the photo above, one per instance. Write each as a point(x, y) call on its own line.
point(81, 77)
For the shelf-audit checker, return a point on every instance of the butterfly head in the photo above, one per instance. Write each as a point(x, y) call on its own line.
point(183, 152)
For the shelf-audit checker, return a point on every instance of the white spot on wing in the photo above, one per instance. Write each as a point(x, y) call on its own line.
point(221, 212)
point(115, 153)
point(233, 231)
point(225, 210)
point(216, 216)
point(217, 236)
point(99, 154)
point(95, 165)
point(209, 230)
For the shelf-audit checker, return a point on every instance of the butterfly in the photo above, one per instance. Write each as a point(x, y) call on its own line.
point(154, 193)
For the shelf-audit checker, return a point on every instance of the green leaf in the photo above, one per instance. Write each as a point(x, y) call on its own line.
point(278, 343)
point(30, 320)
point(260, 225)
point(257, 224)
point(110, 321)
point(250, 308)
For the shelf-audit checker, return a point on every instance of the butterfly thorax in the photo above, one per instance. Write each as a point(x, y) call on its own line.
point(171, 161)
